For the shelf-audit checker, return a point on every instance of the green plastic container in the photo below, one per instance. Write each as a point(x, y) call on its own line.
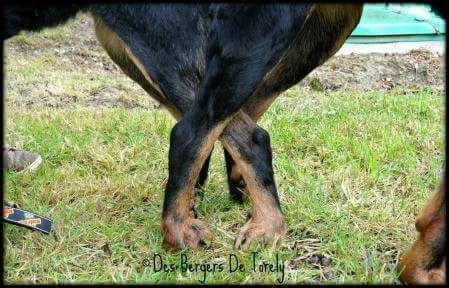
point(398, 22)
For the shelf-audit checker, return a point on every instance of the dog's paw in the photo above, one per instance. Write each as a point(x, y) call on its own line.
point(266, 231)
point(189, 232)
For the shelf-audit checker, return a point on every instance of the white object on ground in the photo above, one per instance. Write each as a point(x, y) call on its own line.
point(396, 47)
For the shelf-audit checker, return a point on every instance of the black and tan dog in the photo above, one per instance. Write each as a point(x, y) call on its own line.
point(216, 68)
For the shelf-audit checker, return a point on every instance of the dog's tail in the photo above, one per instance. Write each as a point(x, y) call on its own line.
point(34, 16)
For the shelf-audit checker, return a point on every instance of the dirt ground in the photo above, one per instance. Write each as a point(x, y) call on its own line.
point(378, 71)
point(374, 71)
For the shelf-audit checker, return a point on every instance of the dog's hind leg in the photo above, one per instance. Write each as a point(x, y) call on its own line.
point(238, 189)
point(335, 23)
point(249, 146)
point(191, 141)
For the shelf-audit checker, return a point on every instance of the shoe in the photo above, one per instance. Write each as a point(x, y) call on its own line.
point(20, 160)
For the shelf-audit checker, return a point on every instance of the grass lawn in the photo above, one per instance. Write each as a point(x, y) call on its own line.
point(352, 169)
